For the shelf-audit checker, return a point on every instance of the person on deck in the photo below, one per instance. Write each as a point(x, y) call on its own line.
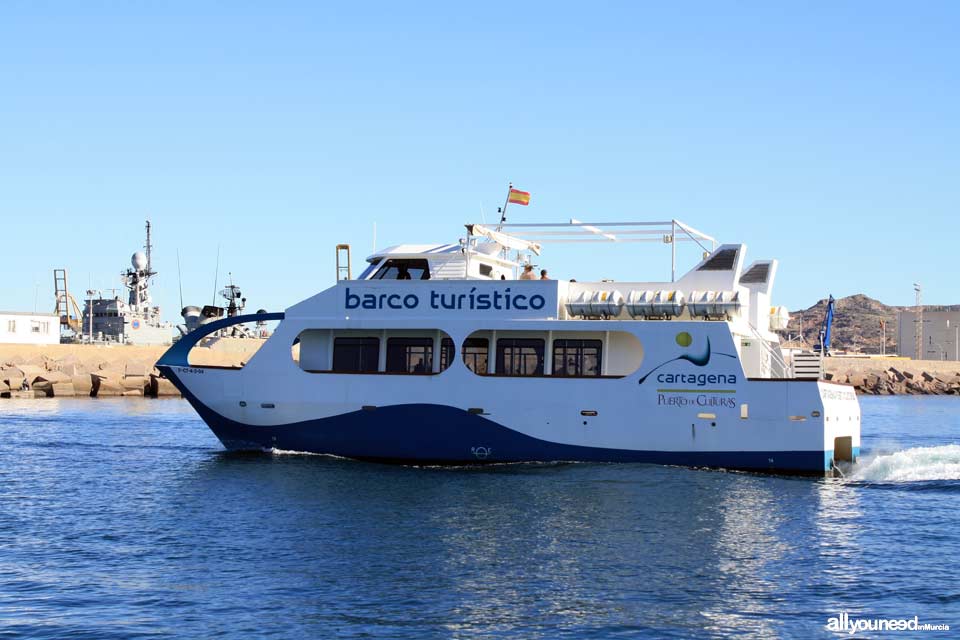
point(528, 273)
point(543, 274)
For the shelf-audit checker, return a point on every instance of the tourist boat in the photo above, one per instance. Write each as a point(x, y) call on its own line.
point(440, 355)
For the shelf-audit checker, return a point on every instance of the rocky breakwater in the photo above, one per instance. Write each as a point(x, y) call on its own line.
point(97, 371)
point(892, 376)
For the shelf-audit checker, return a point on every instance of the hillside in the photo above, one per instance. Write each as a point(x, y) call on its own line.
point(856, 323)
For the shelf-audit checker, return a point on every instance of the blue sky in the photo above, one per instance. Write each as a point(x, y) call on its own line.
point(823, 134)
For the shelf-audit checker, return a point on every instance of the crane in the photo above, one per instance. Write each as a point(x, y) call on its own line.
point(71, 317)
point(825, 328)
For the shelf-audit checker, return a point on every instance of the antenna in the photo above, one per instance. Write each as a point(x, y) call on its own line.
point(179, 278)
point(149, 248)
point(216, 276)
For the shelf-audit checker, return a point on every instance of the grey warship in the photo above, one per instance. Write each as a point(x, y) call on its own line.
point(134, 321)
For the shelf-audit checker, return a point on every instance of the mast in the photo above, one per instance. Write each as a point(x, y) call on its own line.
point(503, 212)
point(148, 247)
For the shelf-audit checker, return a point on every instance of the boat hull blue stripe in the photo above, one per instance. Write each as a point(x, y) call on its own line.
point(440, 434)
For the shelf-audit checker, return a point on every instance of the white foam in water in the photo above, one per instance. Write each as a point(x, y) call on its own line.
point(911, 465)
point(287, 452)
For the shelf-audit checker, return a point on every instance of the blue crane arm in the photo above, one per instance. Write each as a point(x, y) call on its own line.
point(827, 325)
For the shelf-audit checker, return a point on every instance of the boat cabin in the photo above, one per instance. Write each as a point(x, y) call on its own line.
point(720, 288)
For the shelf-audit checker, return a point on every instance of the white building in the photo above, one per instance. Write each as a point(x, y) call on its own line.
point(941, 335)
point(20, 327)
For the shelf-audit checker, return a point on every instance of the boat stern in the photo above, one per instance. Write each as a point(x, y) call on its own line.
point(841, 424)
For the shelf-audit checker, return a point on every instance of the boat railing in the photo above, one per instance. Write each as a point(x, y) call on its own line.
point(179, 354)
point(775, 366)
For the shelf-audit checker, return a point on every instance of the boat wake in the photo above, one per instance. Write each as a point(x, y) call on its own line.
point(910, 465)
point(286, 452)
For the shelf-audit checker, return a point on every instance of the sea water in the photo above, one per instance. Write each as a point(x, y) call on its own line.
point(126, 519)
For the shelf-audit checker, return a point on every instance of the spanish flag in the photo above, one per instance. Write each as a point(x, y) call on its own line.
point(519, 197)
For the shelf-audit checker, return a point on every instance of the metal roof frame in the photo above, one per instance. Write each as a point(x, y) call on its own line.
point(661, 231)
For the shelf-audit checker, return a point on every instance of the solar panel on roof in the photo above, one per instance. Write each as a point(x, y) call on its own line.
point(722, 260)
point(756, 274)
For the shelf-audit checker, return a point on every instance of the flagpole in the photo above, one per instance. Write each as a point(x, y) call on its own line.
point(503, 212)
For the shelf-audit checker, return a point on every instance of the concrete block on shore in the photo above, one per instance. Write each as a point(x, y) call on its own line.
point(134, 382)
point(46, 380)
point(135, 369)
point(73, 368)
point(105, 386)
point(43, 387)
point(107, 389)
point(12, 377)
point(30, 372)
point(161, 387)
point(110, 374)
point(52, 376)
point(82, 383)
point(63, 390)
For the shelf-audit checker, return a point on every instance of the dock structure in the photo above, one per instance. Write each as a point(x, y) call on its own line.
point(895, 375)
point(98, 371)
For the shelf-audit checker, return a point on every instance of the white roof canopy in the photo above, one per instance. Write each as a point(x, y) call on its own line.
point(503, 239)
point(577, 231)
point(530, 236)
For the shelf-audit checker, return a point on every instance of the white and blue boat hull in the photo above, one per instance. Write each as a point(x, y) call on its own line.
point(457, 417)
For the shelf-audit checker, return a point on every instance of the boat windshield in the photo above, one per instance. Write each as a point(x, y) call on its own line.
point(403, 270)
point(370, 268)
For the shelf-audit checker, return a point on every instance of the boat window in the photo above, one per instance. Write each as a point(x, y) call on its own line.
point(356, 355)
point(475, 354)
point(578, 358)
point(409, 355)
point(573, 354)
point(370, 268)
point(405, 351)
point(520, 357)
point(403, 270)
